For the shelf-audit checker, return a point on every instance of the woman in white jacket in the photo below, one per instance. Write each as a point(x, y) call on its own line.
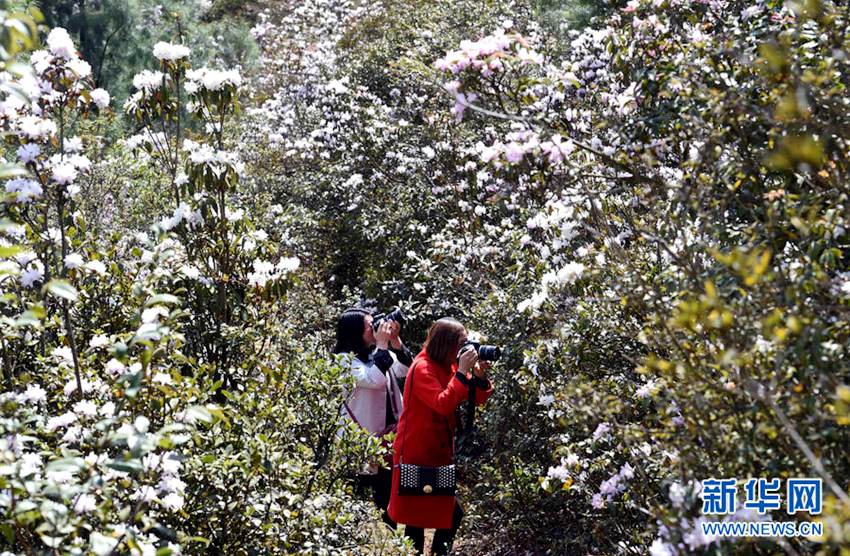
point(377, 358)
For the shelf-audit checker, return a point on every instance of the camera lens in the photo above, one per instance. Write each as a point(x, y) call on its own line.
point(397, 316)
point(489, 353)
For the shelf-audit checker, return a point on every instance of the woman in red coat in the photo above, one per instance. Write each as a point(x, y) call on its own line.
point(437, 384)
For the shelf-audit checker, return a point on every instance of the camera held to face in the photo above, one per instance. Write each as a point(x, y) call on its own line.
point(395, 315)
point(485, 352)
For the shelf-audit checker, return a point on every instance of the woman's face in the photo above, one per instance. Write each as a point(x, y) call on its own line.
point(368, 333)
point(461, 339)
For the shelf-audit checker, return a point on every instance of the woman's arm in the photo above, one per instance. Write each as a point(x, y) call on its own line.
point(404, 356)
point(385, 361)
point(483, 386)
point(483, 389)
point(402, 361)
point(428, 389)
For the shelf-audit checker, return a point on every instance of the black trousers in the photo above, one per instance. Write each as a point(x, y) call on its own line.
point(443, 538)
point(381, 485)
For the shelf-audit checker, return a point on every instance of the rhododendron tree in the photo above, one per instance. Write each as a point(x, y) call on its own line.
point(689, 198)
point(108, 424)
point(643, 203)
point(608, 203)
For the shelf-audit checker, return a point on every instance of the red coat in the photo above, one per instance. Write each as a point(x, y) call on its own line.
point(425, 436)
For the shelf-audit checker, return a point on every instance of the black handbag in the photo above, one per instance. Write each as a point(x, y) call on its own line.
point(423, 480)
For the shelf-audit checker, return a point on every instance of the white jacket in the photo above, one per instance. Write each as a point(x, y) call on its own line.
point(368, 401)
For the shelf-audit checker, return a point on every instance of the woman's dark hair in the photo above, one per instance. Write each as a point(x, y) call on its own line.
point(349, 333)
point(442, 341)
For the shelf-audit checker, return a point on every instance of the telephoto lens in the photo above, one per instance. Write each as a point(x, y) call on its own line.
point(489, 353)
point(394, 315)
point(397, 316)
point(485, 352)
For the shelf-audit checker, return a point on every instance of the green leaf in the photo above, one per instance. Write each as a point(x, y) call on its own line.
point(132, 466)
point(63, 289)
point(10, 250)
point(52, 542)
point(163, 298)
point(11, 171)
point(66, 464)
point(7, 532)
point(198, 413)
point(31, 317)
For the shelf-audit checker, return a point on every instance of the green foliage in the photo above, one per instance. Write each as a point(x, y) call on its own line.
point(644, 203)
point(669, 283)
point(115, 36)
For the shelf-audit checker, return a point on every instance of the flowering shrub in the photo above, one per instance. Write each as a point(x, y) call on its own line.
point(689, 261)
point(647, 212)
point(136, 367)
point(610, 204)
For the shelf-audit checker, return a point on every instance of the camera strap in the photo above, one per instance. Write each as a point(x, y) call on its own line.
point(470, 408)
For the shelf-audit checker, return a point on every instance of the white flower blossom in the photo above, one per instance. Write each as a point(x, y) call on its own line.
point(141, 423)
point(71, 386)
point(64, 354)
point(107, 409)
point(115, 367)
point(85, 408)
point(152, 314)
point(170, 52)
point(98, 340)
point(214, 80)
point(34, 394)
point(85, 503)
point(64, 173)
point(25, 188)
point(148, 81)
point(28, 152)
point(60, 44)
point(660, 548)
point(602, 430)
point(73, 260)
point(100, 97)
point(80, 67)
point(30, 465)
point(173, 501)
point(32, 275)
point(60, 421)
point(646, 390)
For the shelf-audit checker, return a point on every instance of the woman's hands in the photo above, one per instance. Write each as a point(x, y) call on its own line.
point(481, 368)
point(467, 359)
point(395, 331)
point(384, 334)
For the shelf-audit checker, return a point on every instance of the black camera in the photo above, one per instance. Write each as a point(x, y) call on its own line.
point(395, 315)
point(485, 353)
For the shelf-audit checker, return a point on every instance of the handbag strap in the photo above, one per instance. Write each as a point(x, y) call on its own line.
point(448, 429)
point(391, 386)
point(351, 413)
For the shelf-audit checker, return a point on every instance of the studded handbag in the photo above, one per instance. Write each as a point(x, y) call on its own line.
point(423, 480)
